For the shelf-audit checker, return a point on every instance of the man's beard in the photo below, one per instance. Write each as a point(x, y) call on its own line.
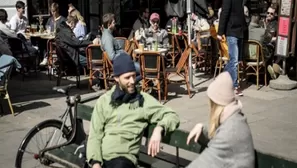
point(126, 88)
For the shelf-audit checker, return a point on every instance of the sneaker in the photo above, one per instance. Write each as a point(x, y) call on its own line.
point(44, 62)
point(96, 88)
point(238, 92)
point(271, 72)
point(277, 69)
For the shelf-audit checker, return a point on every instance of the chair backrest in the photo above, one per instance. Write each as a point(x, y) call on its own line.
point(5, 74)
point(223, 48)
point(94, 55)
point(183, 60)
point(253, 51)
point(16, 44)
point(123, 42)
point(151, 64)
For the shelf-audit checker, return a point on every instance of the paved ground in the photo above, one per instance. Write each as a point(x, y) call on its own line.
point(271, 114)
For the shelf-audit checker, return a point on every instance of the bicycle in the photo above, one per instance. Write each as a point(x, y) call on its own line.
point(63, 131)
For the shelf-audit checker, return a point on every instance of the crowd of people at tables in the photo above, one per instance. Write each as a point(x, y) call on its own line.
point(70, 32)
point(230, 141)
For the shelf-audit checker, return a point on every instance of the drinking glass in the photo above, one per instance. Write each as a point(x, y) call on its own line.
point(33, 28)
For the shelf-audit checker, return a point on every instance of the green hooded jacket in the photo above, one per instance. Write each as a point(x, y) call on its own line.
point(116, 132)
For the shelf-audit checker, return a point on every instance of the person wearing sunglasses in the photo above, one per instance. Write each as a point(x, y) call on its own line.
point(270, 22)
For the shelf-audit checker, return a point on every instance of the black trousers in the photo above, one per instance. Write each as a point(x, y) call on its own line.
point(119, 162)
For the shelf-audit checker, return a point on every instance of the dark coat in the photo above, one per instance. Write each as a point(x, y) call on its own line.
point(67, 41)
point(232, 19)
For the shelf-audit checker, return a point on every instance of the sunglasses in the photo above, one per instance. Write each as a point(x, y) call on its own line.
point(270, 13)
point(155, 22)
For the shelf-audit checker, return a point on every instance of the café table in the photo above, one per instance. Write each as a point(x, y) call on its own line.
point(145, 50)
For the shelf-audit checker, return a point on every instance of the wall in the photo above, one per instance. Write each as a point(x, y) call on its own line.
point(9, 6)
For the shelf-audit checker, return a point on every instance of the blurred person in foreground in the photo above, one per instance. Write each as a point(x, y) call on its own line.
point(228, 135)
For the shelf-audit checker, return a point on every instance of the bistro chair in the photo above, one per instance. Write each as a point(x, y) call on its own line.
point(96, 63)
point(6, 71)
point(153, 72)
point(254, 60)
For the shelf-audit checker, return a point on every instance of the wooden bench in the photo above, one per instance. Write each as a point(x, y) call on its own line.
point(177, 139)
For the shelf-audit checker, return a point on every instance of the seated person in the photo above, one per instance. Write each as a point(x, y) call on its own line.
point(56, 18)
point(154, 33)
point(6, 33)
point(6, 58)
point(228, 135)
point(200, 27)
point(66, 39)
point(80, 28)
point(270, 22)
point(3, 27)
point(19, 22)
point(51, 25)
point(120, 117)
point(109, 44)
point(4, 47)
point(141, 22)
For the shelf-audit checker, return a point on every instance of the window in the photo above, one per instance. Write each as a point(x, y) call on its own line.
point(39, 7)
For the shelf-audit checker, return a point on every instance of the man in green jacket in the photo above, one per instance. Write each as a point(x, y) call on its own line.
point(120, 117)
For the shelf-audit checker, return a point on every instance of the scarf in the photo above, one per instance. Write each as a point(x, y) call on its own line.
point(119, 97)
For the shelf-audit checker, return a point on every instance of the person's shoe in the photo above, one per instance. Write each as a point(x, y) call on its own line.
point(44, 62)
point(238, 92)
point(277, 69)
point(271, 72)
point(96, 88)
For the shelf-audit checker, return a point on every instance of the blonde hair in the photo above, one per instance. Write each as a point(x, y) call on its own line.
point(76, 13)
point(214, 118)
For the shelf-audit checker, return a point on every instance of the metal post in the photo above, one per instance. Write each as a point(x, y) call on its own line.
point(189, 12)
point(284, 66)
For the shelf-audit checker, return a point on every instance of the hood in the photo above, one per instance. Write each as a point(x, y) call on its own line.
point(230, 109)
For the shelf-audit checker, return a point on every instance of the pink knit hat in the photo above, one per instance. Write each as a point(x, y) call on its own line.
point(221, 90)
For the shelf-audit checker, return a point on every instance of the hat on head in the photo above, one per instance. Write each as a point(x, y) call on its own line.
point(221, 90)
point(123, 64)
point(155, 16)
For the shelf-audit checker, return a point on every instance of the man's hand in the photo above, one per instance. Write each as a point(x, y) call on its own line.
point(194, 17)
point(196, 131)
point(273, 39)
point(154, 144)
point(219, 37)
point(97, 165)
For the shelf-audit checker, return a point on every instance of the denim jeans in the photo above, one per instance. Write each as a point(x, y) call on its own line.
point(234, 48)
point(5, 60)
point(82, 60)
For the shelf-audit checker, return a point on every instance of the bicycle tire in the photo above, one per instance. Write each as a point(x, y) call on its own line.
point(45, 124)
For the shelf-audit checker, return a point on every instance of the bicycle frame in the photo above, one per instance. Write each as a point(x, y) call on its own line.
point(72, 102)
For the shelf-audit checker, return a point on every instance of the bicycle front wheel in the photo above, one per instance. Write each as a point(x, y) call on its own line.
point(46, 134)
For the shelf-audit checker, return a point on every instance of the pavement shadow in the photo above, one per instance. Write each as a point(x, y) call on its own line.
point(40, 87)
point(21, 107)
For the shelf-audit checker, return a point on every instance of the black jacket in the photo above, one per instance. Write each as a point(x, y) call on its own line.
point(4, 47)
point(232, 19)
point(67, 41)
